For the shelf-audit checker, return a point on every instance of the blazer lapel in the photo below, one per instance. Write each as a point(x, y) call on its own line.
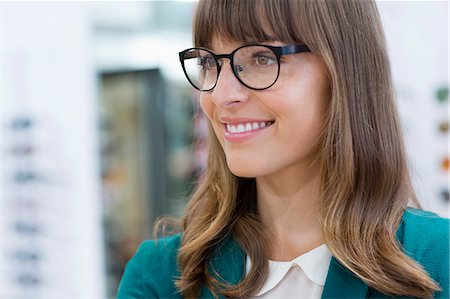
point(341, 283)
point(227, 265)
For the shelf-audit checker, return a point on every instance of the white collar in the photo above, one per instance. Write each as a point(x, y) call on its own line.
point(314, 263)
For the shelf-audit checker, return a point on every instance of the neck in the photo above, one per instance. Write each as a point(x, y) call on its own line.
point(288, 205)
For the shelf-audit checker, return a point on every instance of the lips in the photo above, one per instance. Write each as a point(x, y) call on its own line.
point(246, 126)
point(240, 129)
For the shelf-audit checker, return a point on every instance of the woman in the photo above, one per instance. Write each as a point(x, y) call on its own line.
point(306, 189)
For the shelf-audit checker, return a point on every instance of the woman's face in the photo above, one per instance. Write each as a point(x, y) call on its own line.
point(286, 119)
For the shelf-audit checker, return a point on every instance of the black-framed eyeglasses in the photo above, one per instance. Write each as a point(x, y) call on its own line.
point(256, 66)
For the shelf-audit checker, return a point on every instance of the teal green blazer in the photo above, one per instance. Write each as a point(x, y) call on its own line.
point(423, 235)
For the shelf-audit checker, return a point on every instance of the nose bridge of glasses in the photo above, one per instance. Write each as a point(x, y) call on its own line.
point(220, 57)
point(232, 68)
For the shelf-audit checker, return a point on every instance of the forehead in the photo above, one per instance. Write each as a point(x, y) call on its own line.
point(226, 24)
point(221, 45)
point(233, 22)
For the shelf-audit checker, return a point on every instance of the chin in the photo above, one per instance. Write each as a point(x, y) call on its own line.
point(243, 174)
point(245, 171)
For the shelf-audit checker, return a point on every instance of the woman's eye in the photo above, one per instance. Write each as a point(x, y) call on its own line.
point(264, 60)
point(208, 62)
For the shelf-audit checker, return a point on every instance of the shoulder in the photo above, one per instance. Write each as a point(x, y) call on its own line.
point(422, 227)
point(150, 269)
point(425, 237)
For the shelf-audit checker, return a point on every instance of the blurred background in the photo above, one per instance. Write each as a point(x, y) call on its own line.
point(101, 133)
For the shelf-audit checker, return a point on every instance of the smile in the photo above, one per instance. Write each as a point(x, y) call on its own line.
point(240, 132)
point(247, 127)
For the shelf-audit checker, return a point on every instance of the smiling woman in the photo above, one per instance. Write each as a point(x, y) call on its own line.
point(307, 190)
point(292, 111)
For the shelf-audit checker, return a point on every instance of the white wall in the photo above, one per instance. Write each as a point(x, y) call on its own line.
point(417, 35)
point(48, 76)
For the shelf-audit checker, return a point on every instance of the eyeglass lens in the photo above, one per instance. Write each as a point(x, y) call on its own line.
point(255, 66)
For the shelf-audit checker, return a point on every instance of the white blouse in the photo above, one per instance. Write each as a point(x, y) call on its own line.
point(303, 277)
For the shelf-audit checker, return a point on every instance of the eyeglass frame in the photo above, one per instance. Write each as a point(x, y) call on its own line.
point(277, 50)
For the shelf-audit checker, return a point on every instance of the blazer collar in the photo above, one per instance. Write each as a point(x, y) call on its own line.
point(341, 283)
point(229, 264)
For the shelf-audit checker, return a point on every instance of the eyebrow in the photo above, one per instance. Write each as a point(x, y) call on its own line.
point(268, 40)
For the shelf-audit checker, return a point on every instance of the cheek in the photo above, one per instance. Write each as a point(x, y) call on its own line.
point(208, 109)
point(207, 105)
point(204, 103)
point(302, 109)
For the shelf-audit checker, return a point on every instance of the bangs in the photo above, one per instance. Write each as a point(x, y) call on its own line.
point(245, 21)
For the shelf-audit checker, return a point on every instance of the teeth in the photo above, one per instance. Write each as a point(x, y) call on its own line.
point(247, 127)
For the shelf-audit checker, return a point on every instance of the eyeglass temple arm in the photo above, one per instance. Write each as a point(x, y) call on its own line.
point(291, 49)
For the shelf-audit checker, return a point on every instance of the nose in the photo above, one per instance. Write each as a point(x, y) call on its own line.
point(228, 90)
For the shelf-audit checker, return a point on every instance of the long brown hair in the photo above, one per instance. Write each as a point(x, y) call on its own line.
point(365, 178)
